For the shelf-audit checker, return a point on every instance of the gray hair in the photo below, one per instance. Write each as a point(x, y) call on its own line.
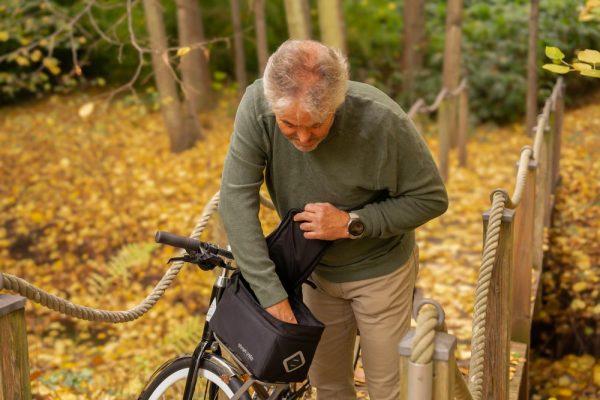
point(307, 71)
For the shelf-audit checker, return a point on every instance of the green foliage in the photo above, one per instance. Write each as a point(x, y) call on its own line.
point(585, 63)
point(494, 49)
point(374, 42)
point(496, 46)
point(38, 65)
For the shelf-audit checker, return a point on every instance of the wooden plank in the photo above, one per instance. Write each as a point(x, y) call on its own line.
point(14, 363)
point(523, 269)
point(540, 206)
point(557, 127)
point(515, 385)
point(498, 317)
point(444, 127)
point(536, 291)
point(444, 378)
point(549, 140)
point(463, 127)
point(403, 377)
point(523, 244)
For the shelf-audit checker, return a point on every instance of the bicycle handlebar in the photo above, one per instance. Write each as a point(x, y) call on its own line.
point(189, 244)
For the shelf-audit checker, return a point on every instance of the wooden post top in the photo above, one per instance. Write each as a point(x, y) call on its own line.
point(444, 345)
point(507, 216)
point(10, 303)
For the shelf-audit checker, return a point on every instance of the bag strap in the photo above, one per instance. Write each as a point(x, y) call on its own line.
point(235, 280)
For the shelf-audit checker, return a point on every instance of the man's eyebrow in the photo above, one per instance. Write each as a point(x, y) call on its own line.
point(312, 126)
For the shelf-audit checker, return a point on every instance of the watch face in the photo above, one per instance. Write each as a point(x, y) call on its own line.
point(356, 227)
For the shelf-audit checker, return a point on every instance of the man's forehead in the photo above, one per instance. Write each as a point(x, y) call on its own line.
point(295, 115)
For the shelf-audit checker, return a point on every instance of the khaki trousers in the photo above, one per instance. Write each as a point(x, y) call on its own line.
point(381, 309)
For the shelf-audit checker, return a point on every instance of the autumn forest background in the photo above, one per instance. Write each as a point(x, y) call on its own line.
point(115, 118)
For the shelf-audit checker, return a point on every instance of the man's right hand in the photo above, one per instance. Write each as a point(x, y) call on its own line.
point(282, 311)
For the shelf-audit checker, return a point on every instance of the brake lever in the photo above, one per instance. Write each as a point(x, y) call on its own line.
point(201, 259)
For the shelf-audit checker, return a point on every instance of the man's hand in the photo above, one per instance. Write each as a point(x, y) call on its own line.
point(323, 221)
point(282, 311)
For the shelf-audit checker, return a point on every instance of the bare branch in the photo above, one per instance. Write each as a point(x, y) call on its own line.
point(132, 37)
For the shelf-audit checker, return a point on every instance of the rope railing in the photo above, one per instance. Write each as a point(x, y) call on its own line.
point(420, 106)
point(427, 320)
point(500, 201)
point(544, 117)
point(66, 307)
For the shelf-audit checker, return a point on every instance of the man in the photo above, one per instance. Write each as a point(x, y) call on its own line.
point(328, 145)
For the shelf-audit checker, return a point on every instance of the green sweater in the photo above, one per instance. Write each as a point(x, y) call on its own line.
point(373, 158)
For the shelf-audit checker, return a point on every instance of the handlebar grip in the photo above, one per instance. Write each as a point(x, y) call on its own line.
point(178, 241)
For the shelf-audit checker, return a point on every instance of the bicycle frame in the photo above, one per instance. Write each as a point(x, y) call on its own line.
point(208, 341)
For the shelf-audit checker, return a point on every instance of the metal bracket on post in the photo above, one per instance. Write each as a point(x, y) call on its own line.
point(439, 372)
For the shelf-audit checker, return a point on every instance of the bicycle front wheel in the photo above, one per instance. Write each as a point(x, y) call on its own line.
point(213, 382)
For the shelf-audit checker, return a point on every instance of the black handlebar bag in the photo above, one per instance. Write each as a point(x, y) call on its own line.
point(272, 350)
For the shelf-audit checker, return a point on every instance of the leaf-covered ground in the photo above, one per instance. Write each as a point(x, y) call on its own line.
point(81, 199)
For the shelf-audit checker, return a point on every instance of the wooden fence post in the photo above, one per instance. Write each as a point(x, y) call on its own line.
point(498, 317)
point(541, 203)
point(557, 127)
point(444, 128)
point(549, 140)
point(14, 363)
point(463, 126)
point(444, 366)
point(522, 259)
point(523, 269)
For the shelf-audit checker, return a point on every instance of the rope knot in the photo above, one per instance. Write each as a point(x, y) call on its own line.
point(503, 193)
point(429, 319)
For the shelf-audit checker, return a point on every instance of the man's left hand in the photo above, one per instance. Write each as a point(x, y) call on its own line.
point(323, 221)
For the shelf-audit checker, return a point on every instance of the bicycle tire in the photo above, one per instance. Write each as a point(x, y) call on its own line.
point(176, 373)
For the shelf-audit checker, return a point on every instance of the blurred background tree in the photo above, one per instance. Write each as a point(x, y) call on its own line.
point(56, 45)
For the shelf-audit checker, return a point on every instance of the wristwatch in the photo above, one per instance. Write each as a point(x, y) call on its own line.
point(356, 227)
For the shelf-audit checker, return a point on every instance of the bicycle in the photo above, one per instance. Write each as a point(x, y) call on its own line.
point(224, 379)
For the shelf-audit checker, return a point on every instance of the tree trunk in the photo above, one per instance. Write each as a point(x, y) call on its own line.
point(331, 23)
point(238, 46)
point(297, 13)
point(194, 65)
point(261, 34)
point(414, 36)
point(531, 113)
point(181, 134)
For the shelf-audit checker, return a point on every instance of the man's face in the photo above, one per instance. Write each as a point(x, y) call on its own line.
point(300, 128)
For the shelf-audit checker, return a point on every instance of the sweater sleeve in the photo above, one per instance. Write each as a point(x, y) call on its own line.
point(239, 202)
point(408, 172)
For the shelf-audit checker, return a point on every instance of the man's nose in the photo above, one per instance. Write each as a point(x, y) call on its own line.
point(304, 136)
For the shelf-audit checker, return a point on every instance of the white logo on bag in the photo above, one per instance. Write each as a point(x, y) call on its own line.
point(294, 361)
point(246, 352)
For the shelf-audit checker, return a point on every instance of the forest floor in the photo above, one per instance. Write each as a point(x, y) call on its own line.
point(83, 192)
